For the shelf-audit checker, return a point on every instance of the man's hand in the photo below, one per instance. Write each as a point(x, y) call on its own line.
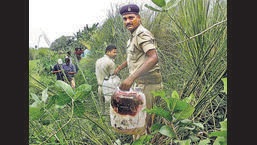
point(126, 84)
point(116, 71)
point(120, 67)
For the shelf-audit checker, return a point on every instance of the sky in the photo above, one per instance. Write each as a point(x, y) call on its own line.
point(56, 18)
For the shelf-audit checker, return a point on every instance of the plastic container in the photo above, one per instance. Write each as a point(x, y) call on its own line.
point(126, 111)
point(109, 85)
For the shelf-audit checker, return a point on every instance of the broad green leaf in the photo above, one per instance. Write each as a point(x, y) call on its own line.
point(159, 93)
point(180, 106)
point(62, 99)
point(219, 133)
point(160, 112)
point(189, 99)
point(220, 141)
point(142, 140)
point(82, 92)
point(152, 8)
point(34, 113)
point(79, 108)
point(44, 95)
point(51, 101)
point(84, 87)
point(167, 131)
point(160, 3)
point(223, 125)
point(169, 100)
point(66, 87)
point(171, 103)
point(175, 95)
point(156, 127)
point(186, 113)
point(222, 133)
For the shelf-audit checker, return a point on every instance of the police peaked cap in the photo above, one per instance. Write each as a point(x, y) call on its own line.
point(128, 9)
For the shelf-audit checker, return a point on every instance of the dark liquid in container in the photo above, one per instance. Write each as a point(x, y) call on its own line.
point(126, 105)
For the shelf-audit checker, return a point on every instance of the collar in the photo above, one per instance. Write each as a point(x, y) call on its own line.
point(108, 57)
point(137, 30)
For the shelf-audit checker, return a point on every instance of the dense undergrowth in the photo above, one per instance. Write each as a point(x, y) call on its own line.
point(192, 46)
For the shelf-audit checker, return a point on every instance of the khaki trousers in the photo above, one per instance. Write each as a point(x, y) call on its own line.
point(101, 99)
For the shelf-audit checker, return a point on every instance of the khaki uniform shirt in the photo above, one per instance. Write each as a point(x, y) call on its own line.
point(104, 67)
point(140, 42)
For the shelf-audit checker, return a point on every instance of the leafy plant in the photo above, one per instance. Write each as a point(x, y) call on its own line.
point(191, 37)
point(221, 135)
point(175, 114)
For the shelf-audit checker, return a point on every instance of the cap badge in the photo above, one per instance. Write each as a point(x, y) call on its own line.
point(129, 9)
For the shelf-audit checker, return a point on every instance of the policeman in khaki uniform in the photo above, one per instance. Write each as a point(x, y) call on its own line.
point(142, 60)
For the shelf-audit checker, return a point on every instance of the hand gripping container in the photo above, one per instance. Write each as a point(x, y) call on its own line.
point(126, 111)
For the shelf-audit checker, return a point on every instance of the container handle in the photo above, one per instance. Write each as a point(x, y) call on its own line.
point(130, 90)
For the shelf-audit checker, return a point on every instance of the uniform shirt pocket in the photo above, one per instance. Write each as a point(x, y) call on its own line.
point(131, 52)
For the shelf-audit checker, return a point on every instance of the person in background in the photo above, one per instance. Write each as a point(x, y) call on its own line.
point(142, 60)
point(104, 67)
point(57, 69)
point(70, 57)
point(78, 52)
point(82, 52)
point(70, 71)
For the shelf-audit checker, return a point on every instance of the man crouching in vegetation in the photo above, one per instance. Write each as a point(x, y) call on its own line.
point(58, 70)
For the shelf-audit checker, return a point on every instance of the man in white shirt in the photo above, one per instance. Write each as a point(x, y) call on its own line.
point(104, 67)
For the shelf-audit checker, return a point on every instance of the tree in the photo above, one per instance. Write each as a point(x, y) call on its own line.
point(62, 43)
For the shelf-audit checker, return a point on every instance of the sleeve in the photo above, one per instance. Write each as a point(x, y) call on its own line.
point(146, 41)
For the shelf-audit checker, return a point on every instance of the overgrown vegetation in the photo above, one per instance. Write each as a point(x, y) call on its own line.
point(192, 45)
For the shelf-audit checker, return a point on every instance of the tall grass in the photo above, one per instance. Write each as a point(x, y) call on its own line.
point(193, 51)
